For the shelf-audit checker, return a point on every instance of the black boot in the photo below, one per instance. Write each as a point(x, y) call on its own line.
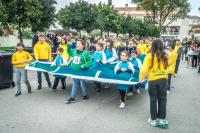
point(98, 87)
point(18, 93)
point(28, 87)
point(64, 88)
point(39, 87)
point(29, 90)
point(49, 85)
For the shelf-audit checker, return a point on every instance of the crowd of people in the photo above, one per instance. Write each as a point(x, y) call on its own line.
point(149, 57)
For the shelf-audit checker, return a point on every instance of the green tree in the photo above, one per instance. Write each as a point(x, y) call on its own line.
point(108, 19)
point(19, 13)
point(46, 17)
point(79, 15)
point(139, 27)
point(158, 11)
point(151, 29)
point(128, 25)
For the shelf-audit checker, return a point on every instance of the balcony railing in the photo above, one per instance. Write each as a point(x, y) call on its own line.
point(170, 33)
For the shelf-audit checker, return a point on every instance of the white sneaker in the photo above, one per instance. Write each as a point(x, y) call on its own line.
point(129, 94)
point(168, 92)
point(138, 91)
point(152, 122)
point(163, 121)
point(122, 105)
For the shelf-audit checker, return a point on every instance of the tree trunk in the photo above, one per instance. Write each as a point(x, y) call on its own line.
point(101, 33)
point(79, 33)
point(20, 34)
point(108, 34)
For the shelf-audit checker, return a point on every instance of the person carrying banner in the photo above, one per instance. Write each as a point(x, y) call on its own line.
point(137, 64)
point(81, 60)
point(111, 55)
point(98, 59)
point(123, 68)
point(59, 61)
point(20, 60)
point(42, 52)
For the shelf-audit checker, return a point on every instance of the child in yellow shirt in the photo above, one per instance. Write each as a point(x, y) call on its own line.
point(20, 60)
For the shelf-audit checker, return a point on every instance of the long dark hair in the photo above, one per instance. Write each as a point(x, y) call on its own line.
point(157, 50)
point(111, 44)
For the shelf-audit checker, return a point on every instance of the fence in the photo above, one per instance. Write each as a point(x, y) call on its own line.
point(12, 41)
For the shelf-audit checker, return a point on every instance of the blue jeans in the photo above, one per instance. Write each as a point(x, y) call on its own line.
point(75, 84)
point(21, 73)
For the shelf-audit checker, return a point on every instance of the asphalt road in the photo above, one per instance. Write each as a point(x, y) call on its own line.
point(44, 111)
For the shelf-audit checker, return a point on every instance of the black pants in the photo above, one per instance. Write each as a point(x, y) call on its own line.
point(130, 89)
point(56, 81)
point(177, 65)
point(46, 75)
point(97, 84)
point(169, 81)
point(199, 69)
point(122, 94)
point(194, 61)
point(158, 95)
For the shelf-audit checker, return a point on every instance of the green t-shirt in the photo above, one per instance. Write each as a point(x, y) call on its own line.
point(80, 58)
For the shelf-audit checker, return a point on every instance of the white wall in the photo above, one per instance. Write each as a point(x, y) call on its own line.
point(13, 40)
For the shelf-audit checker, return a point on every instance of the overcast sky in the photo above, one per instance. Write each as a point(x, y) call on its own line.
point(194, 4)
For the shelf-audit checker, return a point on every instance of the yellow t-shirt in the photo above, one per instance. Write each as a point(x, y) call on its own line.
point(19, 57)
point(65, 54)
point(153, 73)
point(172, 61)
point(42, 51)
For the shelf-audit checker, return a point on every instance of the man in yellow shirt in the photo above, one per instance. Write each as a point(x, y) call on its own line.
point(42, 52)
point(172, 57)
point(20, 60)
point(178, 48)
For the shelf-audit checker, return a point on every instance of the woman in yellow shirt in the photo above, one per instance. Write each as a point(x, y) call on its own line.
point(155, 70)
point(20, 60)
point(63, 44)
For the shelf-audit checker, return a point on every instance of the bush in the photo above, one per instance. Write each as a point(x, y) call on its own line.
point(8, 48)
point(26, 34)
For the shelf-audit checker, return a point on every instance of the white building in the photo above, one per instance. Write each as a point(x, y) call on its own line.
point(194, 22)
point(177, 29)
